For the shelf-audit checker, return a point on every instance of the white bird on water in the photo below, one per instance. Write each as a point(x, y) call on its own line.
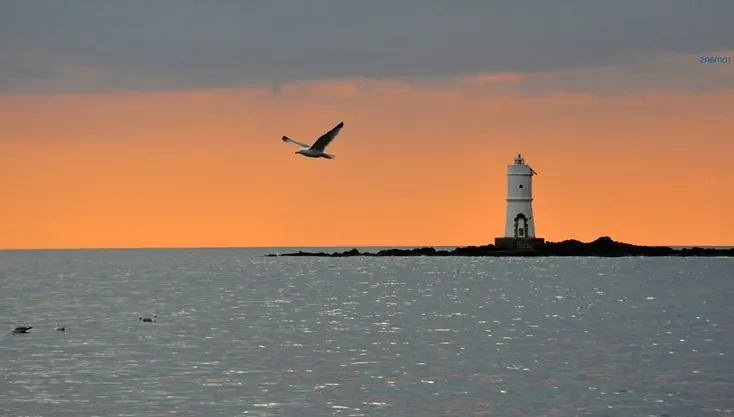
point(317, 149)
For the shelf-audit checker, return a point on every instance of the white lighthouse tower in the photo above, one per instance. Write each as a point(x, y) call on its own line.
point(519, 221)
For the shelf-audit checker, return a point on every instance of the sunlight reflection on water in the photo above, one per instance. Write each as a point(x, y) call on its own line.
point(237, 333)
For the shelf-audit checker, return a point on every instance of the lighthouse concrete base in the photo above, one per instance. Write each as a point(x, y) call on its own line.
point(518, 243)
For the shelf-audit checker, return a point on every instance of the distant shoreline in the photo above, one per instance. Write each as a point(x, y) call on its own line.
point(601, 247)
point(313, 249)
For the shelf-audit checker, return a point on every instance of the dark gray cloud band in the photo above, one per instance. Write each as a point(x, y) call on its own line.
point(99, 45)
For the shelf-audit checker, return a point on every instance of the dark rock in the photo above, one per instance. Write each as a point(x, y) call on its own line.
point(407, 252)
point(601, 247)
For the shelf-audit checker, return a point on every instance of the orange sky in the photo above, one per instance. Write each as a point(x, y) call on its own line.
point(417, 164)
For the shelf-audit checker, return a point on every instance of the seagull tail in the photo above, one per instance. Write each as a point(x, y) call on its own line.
point(329, 156)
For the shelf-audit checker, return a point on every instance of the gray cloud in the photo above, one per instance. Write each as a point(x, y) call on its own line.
point(663, 73)
point(98, 45)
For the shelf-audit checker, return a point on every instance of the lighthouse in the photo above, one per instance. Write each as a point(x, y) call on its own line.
point(519, 221)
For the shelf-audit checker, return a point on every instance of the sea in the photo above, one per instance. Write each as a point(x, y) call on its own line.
point(236, 333)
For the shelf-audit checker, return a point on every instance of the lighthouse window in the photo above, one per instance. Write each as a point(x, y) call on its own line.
point(520, 185)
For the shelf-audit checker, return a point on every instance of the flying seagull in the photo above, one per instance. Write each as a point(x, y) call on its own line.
point(317, 149)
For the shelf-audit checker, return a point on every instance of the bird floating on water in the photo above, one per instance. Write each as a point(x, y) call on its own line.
point(148, 319)
point(22, 329)
point(60, 328)
point(317, 149)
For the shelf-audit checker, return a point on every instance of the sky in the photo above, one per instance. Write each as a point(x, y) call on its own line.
point(158, 124)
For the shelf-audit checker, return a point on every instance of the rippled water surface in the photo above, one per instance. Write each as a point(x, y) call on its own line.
point(241, 334)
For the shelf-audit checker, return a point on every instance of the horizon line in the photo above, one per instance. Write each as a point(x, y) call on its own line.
point(48, 249)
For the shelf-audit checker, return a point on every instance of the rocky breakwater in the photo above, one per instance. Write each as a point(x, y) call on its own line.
point(601, 247)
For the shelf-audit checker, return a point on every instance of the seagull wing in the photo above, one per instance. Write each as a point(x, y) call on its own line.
point(287, 139)
point(322, 142)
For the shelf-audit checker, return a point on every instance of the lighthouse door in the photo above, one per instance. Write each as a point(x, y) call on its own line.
point(521, 226)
